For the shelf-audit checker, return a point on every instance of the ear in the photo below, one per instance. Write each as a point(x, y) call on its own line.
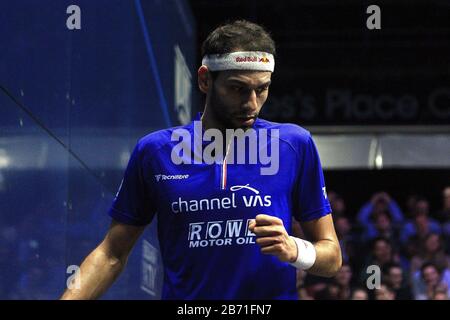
point(203, 79)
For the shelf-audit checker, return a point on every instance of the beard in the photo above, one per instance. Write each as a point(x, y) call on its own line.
point(224, 114)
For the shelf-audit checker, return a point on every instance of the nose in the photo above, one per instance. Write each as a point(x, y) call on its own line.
point(251, 101)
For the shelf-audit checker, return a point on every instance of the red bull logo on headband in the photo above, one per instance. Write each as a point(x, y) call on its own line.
point(242, 60)
point(247, 59)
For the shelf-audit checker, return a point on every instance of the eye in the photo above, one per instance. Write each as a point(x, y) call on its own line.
point(236, 88)
point(262, 89)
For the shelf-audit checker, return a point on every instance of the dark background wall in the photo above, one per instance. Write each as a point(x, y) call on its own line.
point(331, 69)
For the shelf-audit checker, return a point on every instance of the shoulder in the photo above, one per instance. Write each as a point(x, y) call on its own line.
point(292, 134)
point(156, 140)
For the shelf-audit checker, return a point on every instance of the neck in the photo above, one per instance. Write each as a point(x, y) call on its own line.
point(210, 121)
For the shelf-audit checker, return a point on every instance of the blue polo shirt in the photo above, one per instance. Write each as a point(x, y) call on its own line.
point(204, 211)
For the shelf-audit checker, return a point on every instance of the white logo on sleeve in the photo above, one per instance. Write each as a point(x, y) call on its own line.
point(324, 189)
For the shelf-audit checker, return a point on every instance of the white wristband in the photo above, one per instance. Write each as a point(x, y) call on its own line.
point(306, 254)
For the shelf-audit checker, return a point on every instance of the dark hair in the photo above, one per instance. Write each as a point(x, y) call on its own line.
point(421, 198)
point(427, 265)
point(386, 213)
point(388, 266)
point(387, 285)
point(380, 238)
point(239, 35)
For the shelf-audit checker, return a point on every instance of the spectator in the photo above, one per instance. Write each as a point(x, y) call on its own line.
point(440, 295)
point(421, 225)
point(342, 279)
point(385, 292)
point(315, 285)
point(330, 292)
point(380, 204)
point(446, 231)
point(444, 214)
point(430, 250)
point(410, 204)
point(393, 274)
point(382, 252)
point(337, 204)
point(301, 290)
point(381, 255)
point(360, 294)
point(411, 248)
point(382, 227)
point(303, 294)
point(430, 280)
point(346, 239)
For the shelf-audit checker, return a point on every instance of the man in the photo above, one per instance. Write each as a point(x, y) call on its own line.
point(429, 280)
point(421, 225)
point(393, 273)
point(444, 214)
point(223, 228)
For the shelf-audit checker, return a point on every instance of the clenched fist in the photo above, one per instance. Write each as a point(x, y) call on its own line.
point(273, 238)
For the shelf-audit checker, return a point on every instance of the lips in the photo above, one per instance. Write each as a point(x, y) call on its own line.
point(246, 120)
point(246, 117)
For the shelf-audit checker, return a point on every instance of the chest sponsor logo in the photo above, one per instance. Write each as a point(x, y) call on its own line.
point(182, 205)
point(220, 233)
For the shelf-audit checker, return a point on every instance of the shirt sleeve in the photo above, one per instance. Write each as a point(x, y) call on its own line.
point(396, 212)
point(134, 203)
point(311, 198)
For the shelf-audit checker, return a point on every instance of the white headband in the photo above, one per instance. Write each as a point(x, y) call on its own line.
point(245, 60)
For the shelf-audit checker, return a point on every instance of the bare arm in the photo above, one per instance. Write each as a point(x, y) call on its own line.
point(105, 263)
point(273, 239)
point(328, 251)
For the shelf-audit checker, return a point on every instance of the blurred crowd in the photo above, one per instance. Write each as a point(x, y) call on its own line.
point(390, 252)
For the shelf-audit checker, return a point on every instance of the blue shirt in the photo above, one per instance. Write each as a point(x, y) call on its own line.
point(206, 247)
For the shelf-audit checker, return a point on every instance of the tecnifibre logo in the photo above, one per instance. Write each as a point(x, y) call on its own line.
point(162, 177)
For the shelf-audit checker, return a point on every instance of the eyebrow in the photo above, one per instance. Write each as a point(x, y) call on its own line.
point(246, 84)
